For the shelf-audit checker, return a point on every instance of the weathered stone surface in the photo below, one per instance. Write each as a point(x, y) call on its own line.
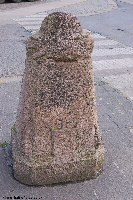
point(56, 136)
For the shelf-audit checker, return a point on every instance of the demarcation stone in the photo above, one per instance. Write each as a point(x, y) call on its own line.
point(56, 136)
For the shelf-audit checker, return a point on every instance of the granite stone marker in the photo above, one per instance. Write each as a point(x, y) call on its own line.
point(56, 136)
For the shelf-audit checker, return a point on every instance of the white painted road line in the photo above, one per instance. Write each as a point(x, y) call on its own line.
point(4, 80)
point(32, 28)
point(37, 15)
point(30, 23)
point(114, 51)
point(29, 20)
point(123, 82)
point(113, 64)
point(96, 35)
point(106, 42)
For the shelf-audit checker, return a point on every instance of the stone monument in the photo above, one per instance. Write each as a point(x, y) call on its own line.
point(56, 136)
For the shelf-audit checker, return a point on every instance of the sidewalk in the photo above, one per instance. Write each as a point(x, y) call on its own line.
point(115, 119)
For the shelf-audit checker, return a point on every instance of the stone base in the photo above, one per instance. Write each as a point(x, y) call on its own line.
point(52, 172)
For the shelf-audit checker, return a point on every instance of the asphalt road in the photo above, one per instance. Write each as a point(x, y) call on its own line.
point(116, 24)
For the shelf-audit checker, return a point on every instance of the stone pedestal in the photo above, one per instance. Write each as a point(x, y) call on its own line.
point(56, 136)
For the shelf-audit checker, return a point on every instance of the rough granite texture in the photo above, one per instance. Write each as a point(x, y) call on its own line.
point(56, 136)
